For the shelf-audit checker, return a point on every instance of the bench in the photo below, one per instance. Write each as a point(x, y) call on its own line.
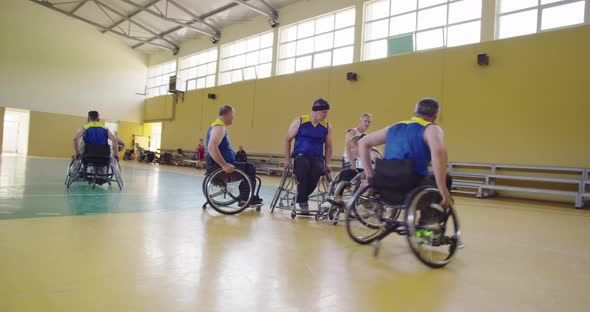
point(269, 163)
point(486, 179)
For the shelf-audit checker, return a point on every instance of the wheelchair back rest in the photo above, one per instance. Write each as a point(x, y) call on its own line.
point(395, 175)
point(150, 156)
point(97, 154)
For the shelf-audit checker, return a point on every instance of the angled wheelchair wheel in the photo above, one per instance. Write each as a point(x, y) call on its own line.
point(228, 193)
point(117, 175)
point(433, 233)
point(287, 174)
point(69, 169)
point(74, 171)
point(364, 216)
point(204, 189)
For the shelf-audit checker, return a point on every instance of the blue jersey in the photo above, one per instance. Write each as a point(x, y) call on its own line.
point(224, 146)
point(310, 138)
point(405, 140)
point(95, 133)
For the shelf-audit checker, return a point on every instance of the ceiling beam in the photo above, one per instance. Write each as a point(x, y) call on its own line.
point(195, 17)
point(204, 16)
point(128, 17)
point(106, 6)
point(78, 6)
point(52, 7)
point(213, 34)
point(270, 11)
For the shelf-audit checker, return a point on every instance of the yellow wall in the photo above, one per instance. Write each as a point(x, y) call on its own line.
point(158, 108)
point(126, 132)
point(528, 107)
point(184, 131)
point(2, 109)
point(147, 129)
point(51, 135)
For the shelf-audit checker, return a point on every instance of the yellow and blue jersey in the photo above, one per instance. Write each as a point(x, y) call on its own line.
point(405, 140)
point(95, 133)
point(224, 146)
point(310, 138)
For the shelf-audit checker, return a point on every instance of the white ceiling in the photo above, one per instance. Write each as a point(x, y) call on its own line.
point(113, 14)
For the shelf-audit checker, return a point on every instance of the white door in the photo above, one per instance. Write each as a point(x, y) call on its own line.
point(10, 137)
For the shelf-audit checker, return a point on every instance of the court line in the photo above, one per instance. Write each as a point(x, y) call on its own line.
point(89, 195)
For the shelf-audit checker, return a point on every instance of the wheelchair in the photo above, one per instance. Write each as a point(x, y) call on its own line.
point(286, 194)
point(95, 166)
point(433, 233)
point(338, 193)
point(222, 191)
point(340, 190)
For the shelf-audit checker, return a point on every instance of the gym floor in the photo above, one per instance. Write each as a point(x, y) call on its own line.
point(151, 247)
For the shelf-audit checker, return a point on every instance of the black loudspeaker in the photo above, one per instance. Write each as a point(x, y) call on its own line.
point(351, 76)
point(211, 96)
point(483, 59)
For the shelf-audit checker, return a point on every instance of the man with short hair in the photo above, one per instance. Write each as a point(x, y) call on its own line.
point(96, 133)
point(418, 139)
point(351, 159)
point(221, 155)
point(313, 137)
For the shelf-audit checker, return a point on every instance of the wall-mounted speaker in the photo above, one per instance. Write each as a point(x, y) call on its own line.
point(350, 76)
point(483, 59)
point(211, 96)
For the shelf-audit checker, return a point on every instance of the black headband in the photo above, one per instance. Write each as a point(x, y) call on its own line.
point(321, 107)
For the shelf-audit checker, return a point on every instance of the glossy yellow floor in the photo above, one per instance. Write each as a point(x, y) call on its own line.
point(518, 256)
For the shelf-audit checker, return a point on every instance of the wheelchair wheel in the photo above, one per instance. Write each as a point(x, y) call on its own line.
point(69, 169)
point(364, 216)
point(74, 172)
point(222, 191)
point(341, 195)
point(433, 235)
point(204, 188)
point(117, 175)
point(275, 198)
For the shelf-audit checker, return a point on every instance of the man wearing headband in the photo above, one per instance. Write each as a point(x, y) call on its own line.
point(351, 159)
point(313, 137)
point(221, 154)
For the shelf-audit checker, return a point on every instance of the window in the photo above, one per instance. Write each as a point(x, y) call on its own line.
point(401, 26)
point(198, 71)
point(326, 40)
point(159, 78)
point(517, 18)
point(246, 59)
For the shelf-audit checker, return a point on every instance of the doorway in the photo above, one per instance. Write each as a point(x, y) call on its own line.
point(15, 136)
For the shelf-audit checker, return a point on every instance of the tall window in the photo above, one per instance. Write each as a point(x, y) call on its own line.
point(198, 71)
point(400, 26)
point(246, 59)
point(517, 18)
point(159, 77)
point(327, 40)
